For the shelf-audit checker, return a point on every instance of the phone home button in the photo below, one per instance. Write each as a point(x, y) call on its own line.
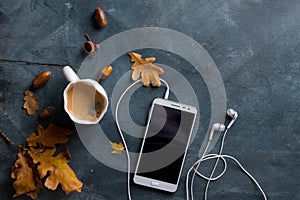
point(154, 183)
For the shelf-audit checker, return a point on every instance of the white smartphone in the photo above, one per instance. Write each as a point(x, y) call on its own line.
point(165, 144)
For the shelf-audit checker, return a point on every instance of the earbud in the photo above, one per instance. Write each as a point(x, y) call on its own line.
point(216, 127)
point(233, 114)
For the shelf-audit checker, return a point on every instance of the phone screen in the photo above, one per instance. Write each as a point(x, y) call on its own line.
point(165, 144)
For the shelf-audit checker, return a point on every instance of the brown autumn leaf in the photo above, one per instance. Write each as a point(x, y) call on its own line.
point(144, 68)
point(57, 169)
point(27, 181)
point(117, 148)
point(137, 59)
point(31, 104)
point(48, 137)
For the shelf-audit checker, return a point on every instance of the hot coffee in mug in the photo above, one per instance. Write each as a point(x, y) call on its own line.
point(85, 100)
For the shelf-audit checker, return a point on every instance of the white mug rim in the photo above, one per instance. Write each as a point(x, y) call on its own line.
point(98, 88)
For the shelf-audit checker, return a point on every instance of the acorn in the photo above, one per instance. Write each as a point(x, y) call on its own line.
point(47, 112)
point(100, 17)
point(41, 79)
point(106, 71)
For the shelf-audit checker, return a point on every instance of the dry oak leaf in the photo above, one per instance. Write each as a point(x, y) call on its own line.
point(117, 148)
point(31, 104)
point(137, 59)
point(27, 177)
point(58, 169)
point(48, 137)
point(144, 68)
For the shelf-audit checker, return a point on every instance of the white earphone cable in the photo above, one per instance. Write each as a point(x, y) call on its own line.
point(248, 174)
point(211, 178)
point(166, 96)
point(196, 168)
point(216, 164)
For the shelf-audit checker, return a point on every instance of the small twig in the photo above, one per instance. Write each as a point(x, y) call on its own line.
point(7, 139)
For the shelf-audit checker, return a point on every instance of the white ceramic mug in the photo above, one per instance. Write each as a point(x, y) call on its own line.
point(85, 100)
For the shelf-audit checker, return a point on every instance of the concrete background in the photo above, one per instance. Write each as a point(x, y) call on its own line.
point(254, 43)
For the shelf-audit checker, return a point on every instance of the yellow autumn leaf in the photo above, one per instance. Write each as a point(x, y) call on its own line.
point(137, 59)
point(49, 137)
point(56, 170)
point(144, 68)
point(117, 148)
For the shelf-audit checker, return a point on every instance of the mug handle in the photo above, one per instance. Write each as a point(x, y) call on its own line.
point(70, 75)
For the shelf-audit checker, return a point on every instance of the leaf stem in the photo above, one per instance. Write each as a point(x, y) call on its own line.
point(7, 139)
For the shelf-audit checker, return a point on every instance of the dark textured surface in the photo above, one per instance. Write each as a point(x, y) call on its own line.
point(254, 43)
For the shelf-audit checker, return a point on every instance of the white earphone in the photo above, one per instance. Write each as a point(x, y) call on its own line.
point(234, 115)
point(221, 127)
point(216, 127)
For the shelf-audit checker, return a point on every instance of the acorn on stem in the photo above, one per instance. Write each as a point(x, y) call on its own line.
point(89, 46)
